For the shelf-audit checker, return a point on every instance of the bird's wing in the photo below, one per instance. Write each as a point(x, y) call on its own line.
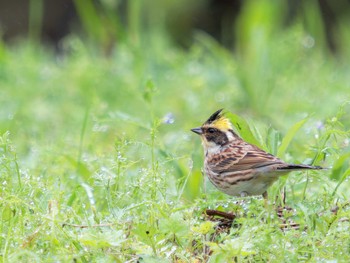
point(243, 157)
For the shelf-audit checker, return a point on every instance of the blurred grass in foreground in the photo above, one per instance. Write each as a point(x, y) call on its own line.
point(89, 140)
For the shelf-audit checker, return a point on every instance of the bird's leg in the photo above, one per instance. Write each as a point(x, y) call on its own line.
point(281, 202)
point(284, 196)
point(265, 196)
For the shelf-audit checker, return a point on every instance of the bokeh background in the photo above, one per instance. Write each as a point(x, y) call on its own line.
point(224, 20)
point(262, 45)
point(97, 99)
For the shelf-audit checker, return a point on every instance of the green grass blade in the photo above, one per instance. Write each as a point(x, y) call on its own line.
point(289, 136)
point(339, 166)
point(346, 174)
point(243, 128)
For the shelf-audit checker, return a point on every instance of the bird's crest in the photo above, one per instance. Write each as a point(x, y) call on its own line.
point(219, 121)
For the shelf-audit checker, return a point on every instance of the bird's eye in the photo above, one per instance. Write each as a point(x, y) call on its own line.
point(211, 130)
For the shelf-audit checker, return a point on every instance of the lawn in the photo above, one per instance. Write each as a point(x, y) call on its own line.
point(98, 164)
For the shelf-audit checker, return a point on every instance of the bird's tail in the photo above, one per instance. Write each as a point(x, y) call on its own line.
point(291, 167)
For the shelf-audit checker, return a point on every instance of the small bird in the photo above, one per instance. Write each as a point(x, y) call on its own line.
point(236, 167)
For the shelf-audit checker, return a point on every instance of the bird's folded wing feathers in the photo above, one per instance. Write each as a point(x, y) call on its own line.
point(246, 159)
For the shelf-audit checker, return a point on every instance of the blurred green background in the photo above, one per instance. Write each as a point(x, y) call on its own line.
point(97, 99)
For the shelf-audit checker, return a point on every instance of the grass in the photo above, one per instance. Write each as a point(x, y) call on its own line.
point(98, 163)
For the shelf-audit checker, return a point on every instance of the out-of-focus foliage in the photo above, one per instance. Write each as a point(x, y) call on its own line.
point(97, 161)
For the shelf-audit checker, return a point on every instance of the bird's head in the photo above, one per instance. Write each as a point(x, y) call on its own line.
point(216, 131)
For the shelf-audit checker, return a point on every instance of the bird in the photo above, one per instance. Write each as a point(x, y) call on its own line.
point(235, 166)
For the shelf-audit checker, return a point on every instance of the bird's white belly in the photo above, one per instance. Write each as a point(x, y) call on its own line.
point(255, 186)
point(247, 188)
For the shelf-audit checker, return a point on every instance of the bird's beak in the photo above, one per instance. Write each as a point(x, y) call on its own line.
point(197, 130)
